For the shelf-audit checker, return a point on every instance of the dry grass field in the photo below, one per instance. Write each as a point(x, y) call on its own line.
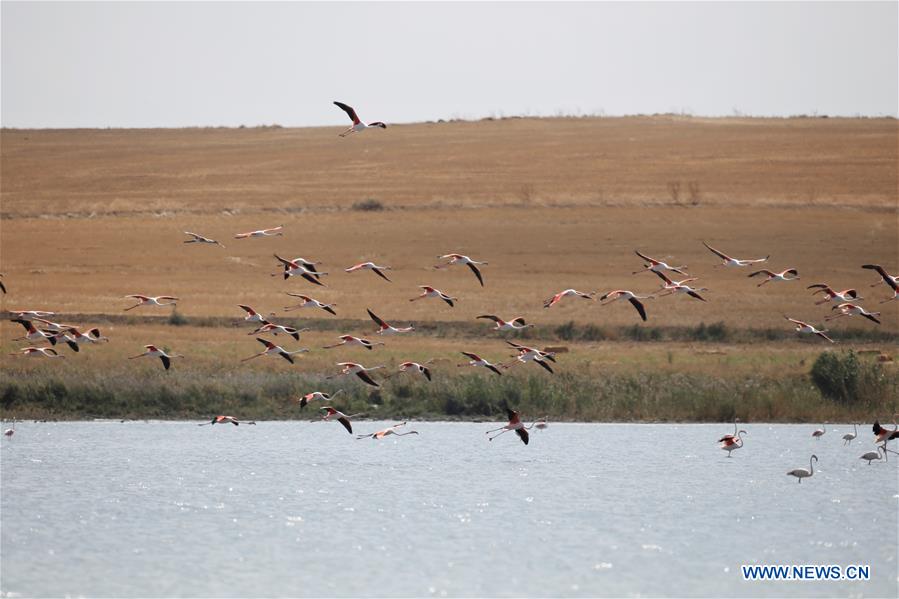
point(89, 216)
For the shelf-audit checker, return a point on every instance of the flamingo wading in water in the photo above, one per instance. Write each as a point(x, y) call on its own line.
point(801, 473)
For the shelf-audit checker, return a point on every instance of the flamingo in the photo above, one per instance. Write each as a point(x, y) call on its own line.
point(358, 125)
point(196, 238)
point(253, 315)
point(32, 334)
point(476, 360)
point(882, 435)
point(432, 292)
point(733, 442)
point(273, 232)
point(307, 264)
point(516, 324)
point(853, 310)
point(10, 431)
point(37, 352)
point(309, 302)
point(848, 437)
point(378, 270)
point(460, 259)
point(728, 261)
point(32, 313)
point(93, 336)
point(350, 340)
point(53, 327)
point(319, 395)
point(630, 296)
point(804, 327)
point(276, 350)
point(270, 327)
point(387, 329)
point(669, 287)
point(515, 424)
point(62, 336)
point(360, 371)
point(423, 370)
point(889, 280)
point(531, 354)
point(846, 295)
point(819, 432)
point(801, 473)
point(155, 352)
point(224, 419)
point(568, 292)
point(776, 276)
point(387, 431)
point(658, 266)
point(146, 300)
point(295, 268)
point(873, 455)
point(725, 437)
point(540, 424)
point(341, 417)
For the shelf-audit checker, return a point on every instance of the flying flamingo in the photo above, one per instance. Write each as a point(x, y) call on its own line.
point(804, 327)
point(728, 261)
point(341, 417)
point(32, 334)
point(539, 424)
point(516, 324)
point(476, 360)
point(422, 369)
point(319, 395)
point(294, 268)
point(669, 287)
point(431, 292)
point(733, 442)
point(360, 371)
point(378, 270)
point(848, 437)
point(273, 232)
point(155, 352)
point(146, 300)
point(819, 432)
point(386, 329)
point(358, 125)
point(32, 313)
point(61, 335)
point(350, 340)
point(275, 350)
point(224, 419)
point(387, 431)
point(883, 435)
point(93, 336)
point(531, 354)
point(515, 424)
point(270, 327)
point(10, 431)
point(309, 302)
point(873, 455)
point(801, 473)
point(568, 292)
point(846, 295)
point(776, 276)
point(37, 352)
point(196, 238)
point(460, 259)
point(889, 280)
point(253, 315)
point(630, 296)
point(53, 327)
point(658, 266)
point(853, 310)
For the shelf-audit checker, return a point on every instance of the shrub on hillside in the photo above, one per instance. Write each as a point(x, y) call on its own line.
point(846, 379)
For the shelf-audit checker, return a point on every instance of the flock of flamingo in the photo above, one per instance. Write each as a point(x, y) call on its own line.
point(39, 327)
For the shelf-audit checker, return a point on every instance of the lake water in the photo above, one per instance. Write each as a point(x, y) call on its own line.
point(107, 509)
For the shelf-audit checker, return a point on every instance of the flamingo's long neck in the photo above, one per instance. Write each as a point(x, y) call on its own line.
point(811, 466)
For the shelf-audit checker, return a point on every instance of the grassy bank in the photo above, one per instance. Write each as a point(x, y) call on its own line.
point(662, 396)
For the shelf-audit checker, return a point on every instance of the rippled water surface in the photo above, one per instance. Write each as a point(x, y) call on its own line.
point(303, 509)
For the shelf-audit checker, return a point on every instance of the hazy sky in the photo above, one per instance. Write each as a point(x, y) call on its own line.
point(82, 64)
